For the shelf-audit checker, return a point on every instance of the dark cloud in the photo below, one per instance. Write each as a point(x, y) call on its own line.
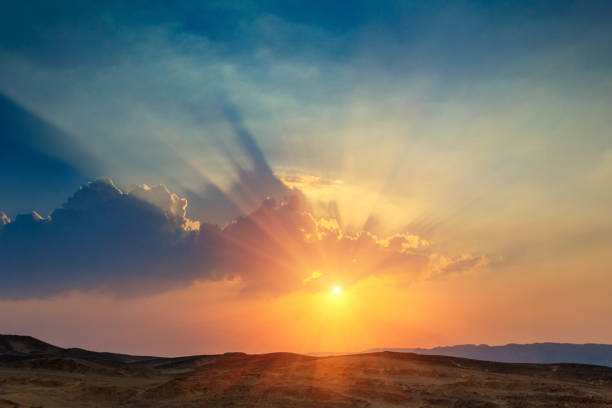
point(100, 238)
point(39, 164)
point(141, 241)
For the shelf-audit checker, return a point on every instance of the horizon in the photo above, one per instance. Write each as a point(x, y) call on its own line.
point(199, 177)
point(318, 353)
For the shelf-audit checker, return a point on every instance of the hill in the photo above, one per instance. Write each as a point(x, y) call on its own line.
point(34, 373)
point(14, 344)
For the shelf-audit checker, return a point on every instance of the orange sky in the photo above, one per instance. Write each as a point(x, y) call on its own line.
point(479, 307)
point(397, 290)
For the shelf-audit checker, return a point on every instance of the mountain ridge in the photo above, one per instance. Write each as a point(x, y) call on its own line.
point(536, 353)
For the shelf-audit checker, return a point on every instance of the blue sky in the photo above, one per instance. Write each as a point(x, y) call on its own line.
point(381, 96)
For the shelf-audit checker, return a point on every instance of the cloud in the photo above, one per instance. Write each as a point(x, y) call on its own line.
point(170, 203)
point(101, 238)
point(281, 246)
point(443, 265)
point(141, 241)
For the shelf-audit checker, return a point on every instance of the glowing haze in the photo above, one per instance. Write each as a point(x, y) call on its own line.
point(199, 178)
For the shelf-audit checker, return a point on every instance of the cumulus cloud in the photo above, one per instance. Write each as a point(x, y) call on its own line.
point(170, 203)
point(100, 238)
point(141, 241)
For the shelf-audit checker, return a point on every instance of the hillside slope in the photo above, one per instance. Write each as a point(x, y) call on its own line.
point(382, 379)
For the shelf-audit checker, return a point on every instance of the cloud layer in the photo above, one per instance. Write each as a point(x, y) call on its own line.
point(141, 241)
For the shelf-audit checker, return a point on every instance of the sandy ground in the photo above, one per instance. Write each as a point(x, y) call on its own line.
point(289, 380)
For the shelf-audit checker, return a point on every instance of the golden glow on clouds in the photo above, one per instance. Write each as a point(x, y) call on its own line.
point(355, 202)
point(314, 275)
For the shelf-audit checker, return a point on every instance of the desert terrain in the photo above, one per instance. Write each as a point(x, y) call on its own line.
point(37, 374)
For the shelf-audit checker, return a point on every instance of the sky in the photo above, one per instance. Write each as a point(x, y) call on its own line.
point(197, 177)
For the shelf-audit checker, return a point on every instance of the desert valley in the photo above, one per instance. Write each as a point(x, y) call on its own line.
point(36, 374)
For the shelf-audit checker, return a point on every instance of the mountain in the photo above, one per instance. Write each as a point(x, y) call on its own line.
point(539, 353)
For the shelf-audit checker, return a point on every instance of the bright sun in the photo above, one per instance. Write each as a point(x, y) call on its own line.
point(336, 290)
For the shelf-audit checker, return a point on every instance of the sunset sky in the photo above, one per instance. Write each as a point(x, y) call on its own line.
point(204, 174)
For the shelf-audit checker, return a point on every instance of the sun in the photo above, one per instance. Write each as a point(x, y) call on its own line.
point(336, 290)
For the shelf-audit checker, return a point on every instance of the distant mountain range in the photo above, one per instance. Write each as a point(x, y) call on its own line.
point(540, 353)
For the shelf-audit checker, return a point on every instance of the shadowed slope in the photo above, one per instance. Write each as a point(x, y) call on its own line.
point(15, 344)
